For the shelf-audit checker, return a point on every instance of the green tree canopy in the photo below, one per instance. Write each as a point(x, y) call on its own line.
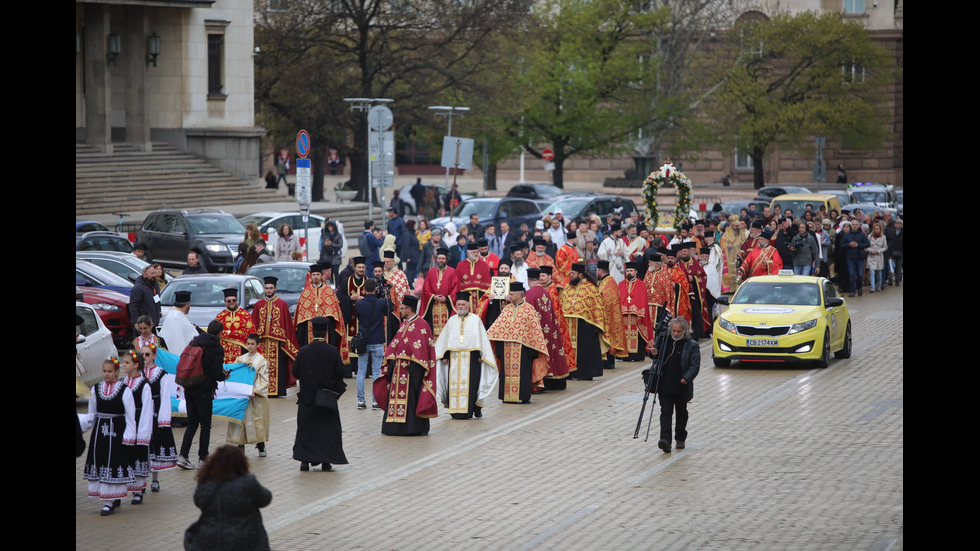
point(797, 76)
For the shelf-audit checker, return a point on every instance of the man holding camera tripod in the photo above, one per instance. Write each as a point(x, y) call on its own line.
point(678, 368)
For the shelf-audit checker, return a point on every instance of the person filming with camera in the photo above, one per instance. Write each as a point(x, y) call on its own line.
point(680, 365)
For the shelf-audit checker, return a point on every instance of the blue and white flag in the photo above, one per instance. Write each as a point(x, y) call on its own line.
point(231, 398)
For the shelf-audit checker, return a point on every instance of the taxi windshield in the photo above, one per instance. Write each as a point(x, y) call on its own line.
point(757, 292)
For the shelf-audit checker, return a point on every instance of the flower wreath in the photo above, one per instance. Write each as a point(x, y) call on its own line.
point(670, 177)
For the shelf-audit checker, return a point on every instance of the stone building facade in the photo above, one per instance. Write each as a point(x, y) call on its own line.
point(176, 71)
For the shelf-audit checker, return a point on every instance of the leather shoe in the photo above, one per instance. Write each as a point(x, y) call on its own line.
point(304, 466)
point(680, 445)
point(664, 445)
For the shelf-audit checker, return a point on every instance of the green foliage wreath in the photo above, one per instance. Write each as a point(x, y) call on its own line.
point(670, 177)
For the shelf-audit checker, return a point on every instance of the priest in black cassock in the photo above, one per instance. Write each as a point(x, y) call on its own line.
point(318, 368)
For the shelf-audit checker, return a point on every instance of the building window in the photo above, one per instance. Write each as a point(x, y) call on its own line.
point(743, 161)
point(216, 48)
point(853, 6)
point(852, 73)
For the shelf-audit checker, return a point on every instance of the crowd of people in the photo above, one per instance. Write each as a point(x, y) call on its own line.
point(451, 317)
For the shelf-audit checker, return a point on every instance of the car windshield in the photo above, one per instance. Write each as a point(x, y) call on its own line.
point(570, 208)
point(798, 205)
point(757, 292)
point(291, 279)
point(204, 292)
point(868, 196)
point(211, 224)
point(548, 190)
point(103, 242)
point(483, 209)
point(99, 275)
point(253, 219)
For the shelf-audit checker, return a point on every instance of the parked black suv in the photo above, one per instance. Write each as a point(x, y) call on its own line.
point(170, 234)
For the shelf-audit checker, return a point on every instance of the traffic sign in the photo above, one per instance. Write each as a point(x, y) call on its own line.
point(302, 143)
point(548, 155)
point(304, 182)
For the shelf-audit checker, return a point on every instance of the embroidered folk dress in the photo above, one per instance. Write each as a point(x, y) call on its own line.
point(143, 400)
point(163, 449)
point(108, 466)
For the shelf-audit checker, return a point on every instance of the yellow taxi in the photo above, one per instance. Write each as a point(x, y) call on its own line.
point(782, 318)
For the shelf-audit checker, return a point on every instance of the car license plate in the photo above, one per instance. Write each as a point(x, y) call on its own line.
point(762, 342)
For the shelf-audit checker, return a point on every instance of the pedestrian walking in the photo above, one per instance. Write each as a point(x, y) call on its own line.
point(200, 398)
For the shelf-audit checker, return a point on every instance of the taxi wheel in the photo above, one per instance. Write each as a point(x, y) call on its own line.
point(846, 351)
point(824, 360)
point(722, 362)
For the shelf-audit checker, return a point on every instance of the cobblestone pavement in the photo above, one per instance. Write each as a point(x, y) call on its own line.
point(777, 458)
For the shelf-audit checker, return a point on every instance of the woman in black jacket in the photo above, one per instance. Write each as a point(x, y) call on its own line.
point(410, 253)
point(229, 498)
point(331, 247)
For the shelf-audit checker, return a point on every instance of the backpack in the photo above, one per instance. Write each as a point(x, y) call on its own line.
point(190, 370)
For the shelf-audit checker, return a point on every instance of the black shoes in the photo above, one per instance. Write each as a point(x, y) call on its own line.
point(664, 445)
point(680, 445)
point(477, 412)
point(304, 466)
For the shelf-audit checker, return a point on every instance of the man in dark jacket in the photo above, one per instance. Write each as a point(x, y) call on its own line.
point(144, 297)
point(371, 313)
point(200, 399)
point(853, 243)
point(681, 364)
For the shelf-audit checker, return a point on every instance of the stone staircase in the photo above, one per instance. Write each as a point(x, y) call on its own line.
point(133, 180)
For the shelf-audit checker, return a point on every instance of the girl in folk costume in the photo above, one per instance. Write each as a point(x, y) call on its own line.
point(254, 428)
point(132, 366)
point(144, 333)
point(163, 449)
point(112, 413)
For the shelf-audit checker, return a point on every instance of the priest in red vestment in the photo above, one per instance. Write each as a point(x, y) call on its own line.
point(237, 326)
point(615, 333)
point(396, 278)
point(682, 289)
point(406, 389)
point(316, 300)
point(636, 314)
point(520, 347)
point(564, 258)
point(698, 281)
point(762, 260)
point(539, 298)
point(278, 343)
point(474, 275)
point(439, 293)
point(538, 258)
point(545, 279)
point(585, 314)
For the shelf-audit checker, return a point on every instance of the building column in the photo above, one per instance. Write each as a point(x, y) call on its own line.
point(98, 131)
point(134, 54)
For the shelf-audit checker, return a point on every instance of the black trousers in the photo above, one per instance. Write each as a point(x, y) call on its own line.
point(670, 403)
point(200, 403)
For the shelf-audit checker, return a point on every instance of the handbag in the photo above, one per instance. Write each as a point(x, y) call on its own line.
point(326, 399)
point(358, 343)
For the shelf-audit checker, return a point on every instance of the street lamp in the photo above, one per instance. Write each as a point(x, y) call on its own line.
point(448, 112)
point(364, 105)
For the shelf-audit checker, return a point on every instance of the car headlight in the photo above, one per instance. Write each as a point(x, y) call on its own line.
point(106, 306)
point(726, 325)
point(216, 247)
point(798, 327)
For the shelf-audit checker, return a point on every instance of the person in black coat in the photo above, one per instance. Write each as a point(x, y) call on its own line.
point(229, 498)
point(319, 369)
point(142, 301)
point(200, 399)
point(681, 364)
